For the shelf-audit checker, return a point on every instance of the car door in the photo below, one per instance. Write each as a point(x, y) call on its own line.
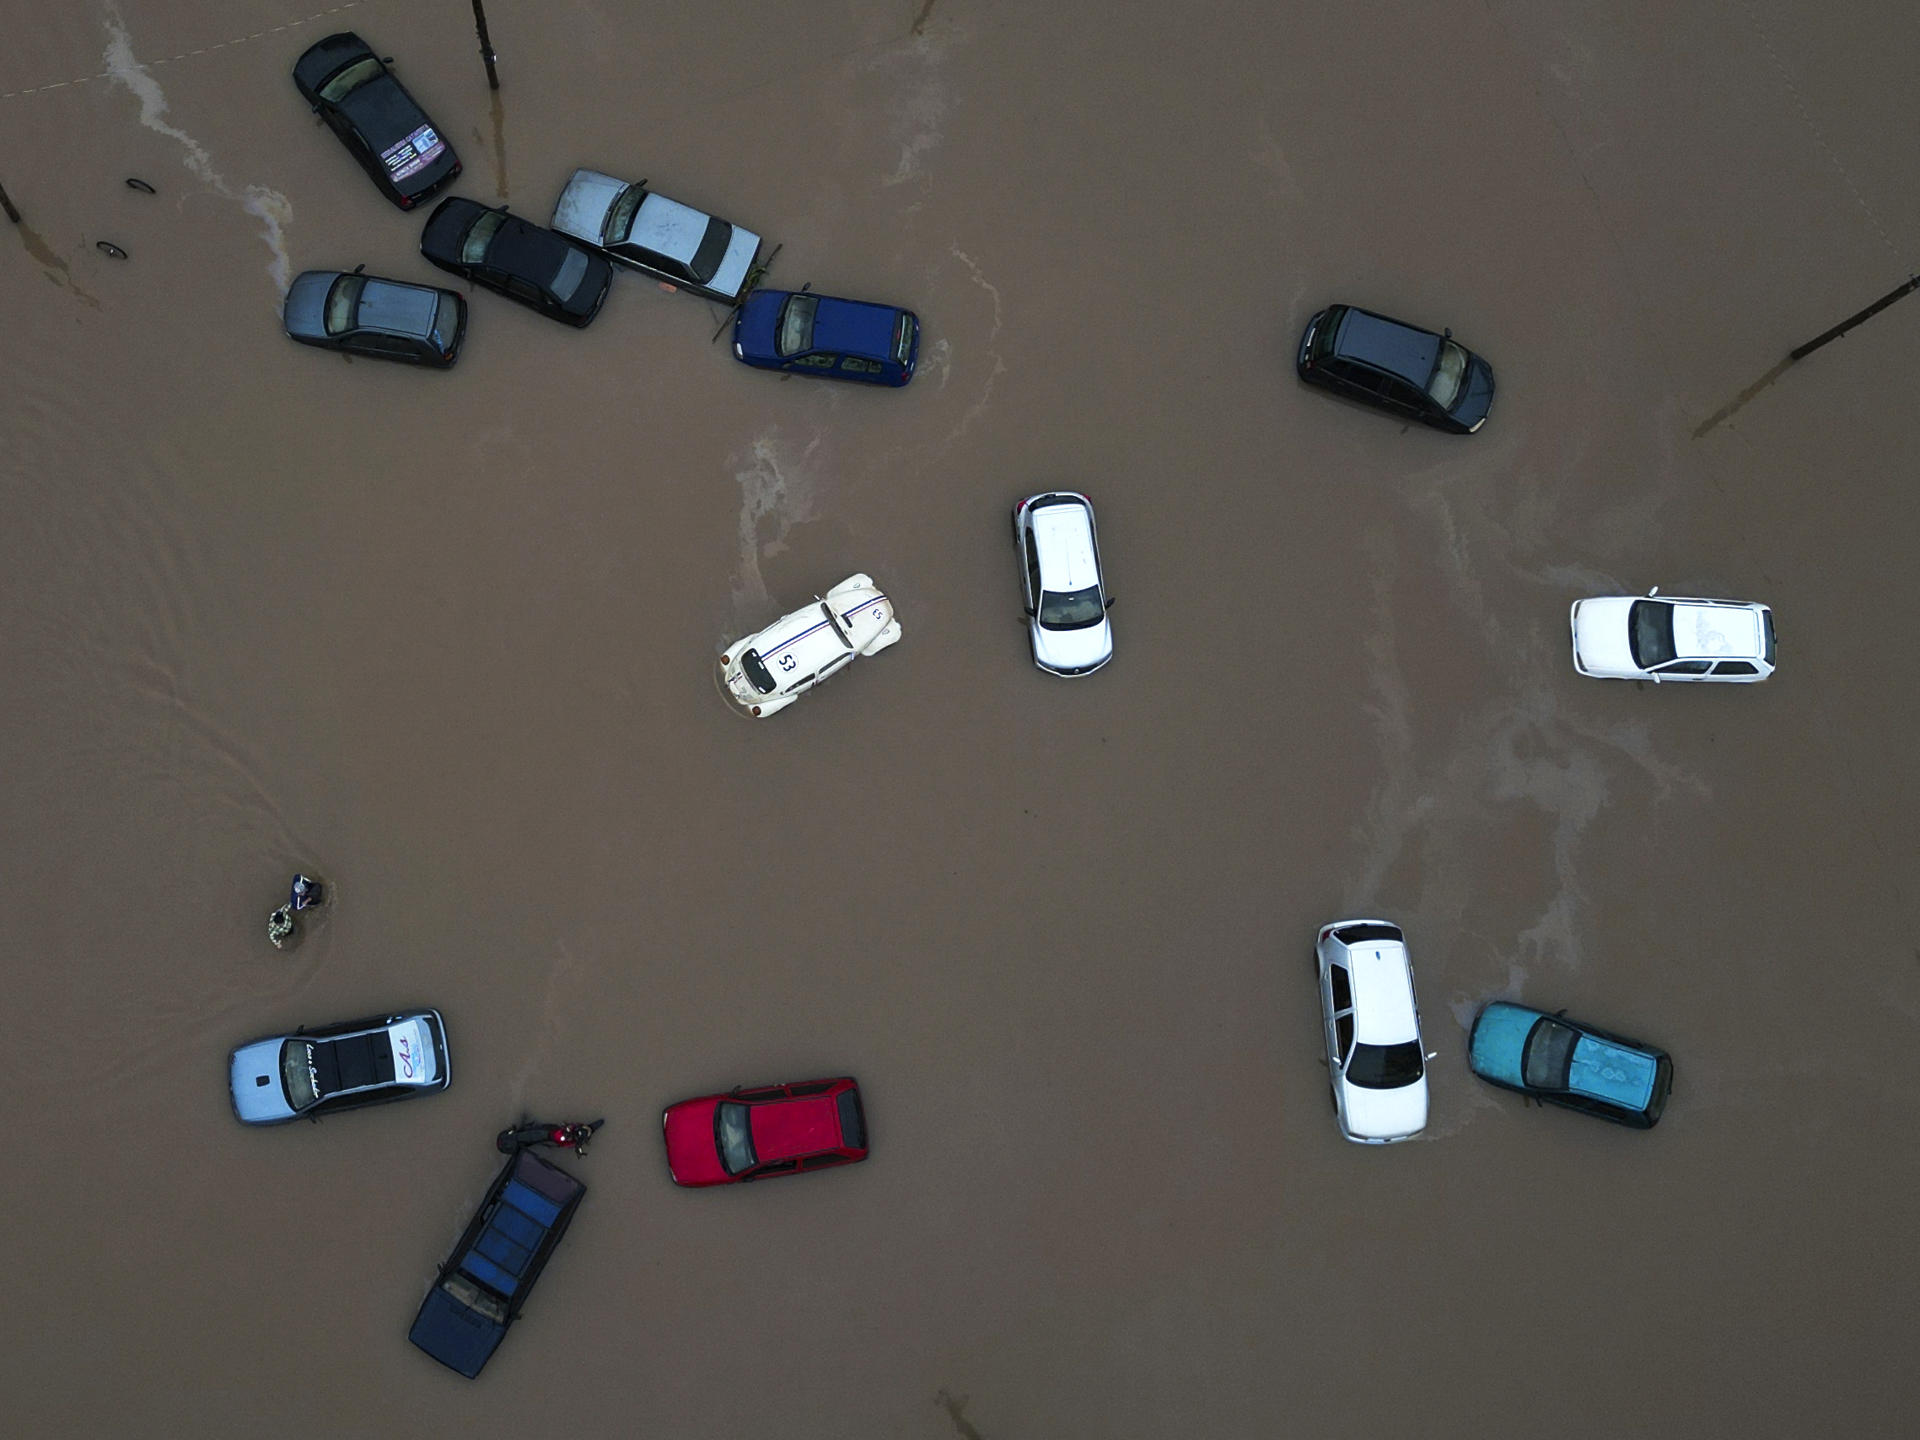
point(1337, 1010)
point(1683, 670)
point(820, 360)
point(832, 668)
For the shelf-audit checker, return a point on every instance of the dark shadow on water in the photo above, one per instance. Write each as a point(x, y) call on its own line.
point(58, 271)
point(499, 146)
point(1727, 411)
point(956, 1406)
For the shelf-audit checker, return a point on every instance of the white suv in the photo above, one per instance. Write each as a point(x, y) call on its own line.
point(1372, 1021)
point(769, 671)
point(1067, 601)
point(1627, 637)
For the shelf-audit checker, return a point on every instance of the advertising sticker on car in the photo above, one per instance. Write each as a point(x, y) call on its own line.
point(416, 152)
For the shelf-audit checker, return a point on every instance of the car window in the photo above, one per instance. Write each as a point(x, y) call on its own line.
point(572, 271)
point(859, 366)
point(1735, 667)
point(1342, 987)
point(1386, 1067)
point(903, 339)
point(801, 683)
point(1071, 609)
point(816, 362)
point(1548, 1053)
point(1342, 1035)
point(1033, 567)
point(798, 1090)
point(525, 289)
point(733, 1134)
point(1650, 633)
point(1448, 371)
point(713, 249)
point(446, 321)
point(620, 217)
point(298, 1074)
point(473, 249)
point(343, 301)
point(820, 1162)
point(853, 1124)
point(796, 324)
point(776, 1167)
point(1687, 667)
point(756, 672)
point(350, 79)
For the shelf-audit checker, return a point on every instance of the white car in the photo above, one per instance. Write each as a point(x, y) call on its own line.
point(1372, 1021)
point(1067, 601)
point(311, 1073)
point(632, 226)
point(769, 671)
point(1631, 637)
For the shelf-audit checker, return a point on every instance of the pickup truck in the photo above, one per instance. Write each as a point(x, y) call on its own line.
point(486, 1279)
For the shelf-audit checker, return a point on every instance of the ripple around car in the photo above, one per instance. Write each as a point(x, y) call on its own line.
point(767, 672)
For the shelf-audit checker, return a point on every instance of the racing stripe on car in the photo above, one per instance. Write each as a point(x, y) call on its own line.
point(795, 640)
point(849, 614)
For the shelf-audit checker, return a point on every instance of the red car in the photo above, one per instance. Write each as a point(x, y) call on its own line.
point(770, 1130)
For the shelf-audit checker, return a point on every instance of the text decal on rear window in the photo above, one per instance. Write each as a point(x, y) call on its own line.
point(416, 152)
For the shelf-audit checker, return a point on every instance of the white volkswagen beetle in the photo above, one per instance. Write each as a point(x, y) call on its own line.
point(767, 672)
point(1655, 637)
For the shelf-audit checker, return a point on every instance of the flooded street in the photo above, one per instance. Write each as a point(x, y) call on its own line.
point(449, 640)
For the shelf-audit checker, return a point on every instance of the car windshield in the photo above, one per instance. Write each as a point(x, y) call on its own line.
point(1385, 1067)
point(731, 1131)
point(298, 1074)
point(1448, 371)
point(1071, 609)
point(572, 271)
point(1549, 1053)
point(713, 248)
point(796, 324)
point(1650, 633)
point(473, 249)
point(757, 673)
point(343, 301)
point(620, 217)
point(349, 79)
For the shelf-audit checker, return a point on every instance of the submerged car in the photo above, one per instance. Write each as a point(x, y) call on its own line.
point(1400, 368)
point(484, 1282)
point(521, 260)
point(633, 226)
point(822, 335)
point(382, 127)
point(769, 671)
point(1066, 595)
point(1375, 1057)
point(1564, 1062)
point(772, 1130)
point(1655, 637)
point(386, 319)
point(312, 1073)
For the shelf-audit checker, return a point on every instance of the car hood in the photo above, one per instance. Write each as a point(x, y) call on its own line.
point(693, 1155)
point(790, 1129)
point(583, 205)
point(1498, 1040)
point(1716, 632)
point(1384, 1114)
point(1600, 636)
point(1074, 649)
point(734, 265)
point(254, 1103)
point(305, 311)
point(753, 327)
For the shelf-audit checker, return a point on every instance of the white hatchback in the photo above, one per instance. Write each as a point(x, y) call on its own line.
point(1651, 637)
point(767, 672)
point(1067, 601)
point(1372, 1021)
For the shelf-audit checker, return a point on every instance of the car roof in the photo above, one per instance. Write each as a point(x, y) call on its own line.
point(527, 249)
point(401, 309)
point(785, 1129)
point(1382, 992)
point(1608, 1070)
point(807, 636)
point(1389, 345)
point(669, 228)
point(1063, 539)
point(855, 327)
point(1715, 631)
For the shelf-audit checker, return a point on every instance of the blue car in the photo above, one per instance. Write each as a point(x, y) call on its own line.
point(1563, 1062)
point(810, 334)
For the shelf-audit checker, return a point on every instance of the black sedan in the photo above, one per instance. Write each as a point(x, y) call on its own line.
point(351, 89)
point(523, 261)
point(365, 315)
point(1400, 368)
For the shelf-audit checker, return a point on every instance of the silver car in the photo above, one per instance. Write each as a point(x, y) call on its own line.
point(365, 315)
point(630, 224)
point(311, 1073)
point(1067, 599)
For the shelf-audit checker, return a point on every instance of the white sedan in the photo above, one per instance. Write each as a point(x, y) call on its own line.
point(633, 226)
point(767, 672)
point(1655, 637)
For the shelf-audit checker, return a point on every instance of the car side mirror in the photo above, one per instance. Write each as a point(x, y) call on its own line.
point(1028, 612)
point(1433, 1054)
point(1654, 591)
point(361, 266)
point(1110, 600)
point(386, 60)
point(1447, 334)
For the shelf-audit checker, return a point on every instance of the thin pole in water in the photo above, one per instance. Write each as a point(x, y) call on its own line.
point(1913, 284)
point(486, 45)
point(7, 205)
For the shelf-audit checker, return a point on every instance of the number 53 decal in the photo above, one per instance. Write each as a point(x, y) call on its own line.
point(786, 662)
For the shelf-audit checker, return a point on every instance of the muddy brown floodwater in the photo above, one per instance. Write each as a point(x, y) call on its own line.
point(448, 640)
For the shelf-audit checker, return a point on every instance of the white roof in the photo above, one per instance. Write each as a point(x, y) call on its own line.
point(1063, 537)
point(1715, 632)
point(1382, 993)
point(669, 228)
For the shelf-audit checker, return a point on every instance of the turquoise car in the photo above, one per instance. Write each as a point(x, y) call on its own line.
point(1563, 1062)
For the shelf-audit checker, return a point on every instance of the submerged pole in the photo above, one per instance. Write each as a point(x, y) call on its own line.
point(7, 205)
point(486, 45)
point(1913, 284)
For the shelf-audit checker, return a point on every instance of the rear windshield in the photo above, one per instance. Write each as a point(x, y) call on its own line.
point(1549, 1053)
point(903, 339)
point(796, 324)
point(572, 271)
point(350, 79)
point(446, 321)
point(1385, 1067)
point(732, 1133)
point(757, 673)
point(298, 1074)
point(1355, 934)
point(620, 217)
point(713, 249)
point(1072, 609)
point(853, 1124)
point(1322, 345)
point(1767, 621)
point(343, 302)
point(1650, 633)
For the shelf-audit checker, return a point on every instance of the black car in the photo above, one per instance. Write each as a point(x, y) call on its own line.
point(523, 261)
point(490, 1273)
point(351, 89)
point(365, 315)
point(1396, 367)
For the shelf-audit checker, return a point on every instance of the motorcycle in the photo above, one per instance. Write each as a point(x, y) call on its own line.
point(571, 1136)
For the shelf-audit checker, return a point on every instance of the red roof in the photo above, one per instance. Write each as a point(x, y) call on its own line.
point(790, 1129)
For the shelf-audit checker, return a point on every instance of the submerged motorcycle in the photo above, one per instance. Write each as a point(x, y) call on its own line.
point(572, 1136)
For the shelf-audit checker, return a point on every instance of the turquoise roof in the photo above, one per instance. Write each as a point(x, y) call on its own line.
point(1606, 1071)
